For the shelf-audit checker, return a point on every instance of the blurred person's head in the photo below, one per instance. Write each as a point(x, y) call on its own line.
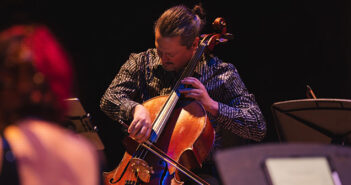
point(35, 75)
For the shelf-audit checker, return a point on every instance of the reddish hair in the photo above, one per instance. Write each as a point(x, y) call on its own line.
point(39, 47)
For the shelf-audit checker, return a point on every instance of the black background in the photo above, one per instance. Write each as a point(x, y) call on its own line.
point(279, 47)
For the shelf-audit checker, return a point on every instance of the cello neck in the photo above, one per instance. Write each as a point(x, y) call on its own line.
point(189, 70)
point(167, 109)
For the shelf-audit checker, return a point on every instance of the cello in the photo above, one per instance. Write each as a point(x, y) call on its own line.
point(182, 134)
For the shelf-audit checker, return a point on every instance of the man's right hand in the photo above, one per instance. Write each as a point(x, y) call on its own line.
point(141, 126)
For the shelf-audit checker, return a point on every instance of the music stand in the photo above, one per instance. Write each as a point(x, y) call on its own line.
point(313, 120)
point(80, 122)
point(246, 164)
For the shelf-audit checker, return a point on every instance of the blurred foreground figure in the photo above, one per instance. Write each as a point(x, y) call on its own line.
point(35, 77)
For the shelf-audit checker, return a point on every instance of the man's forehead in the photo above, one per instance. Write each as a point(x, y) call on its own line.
point(168, 44)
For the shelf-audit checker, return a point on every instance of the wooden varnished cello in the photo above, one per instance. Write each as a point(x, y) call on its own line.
point(182, 134)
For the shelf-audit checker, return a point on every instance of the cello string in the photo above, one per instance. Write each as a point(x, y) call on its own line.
point(146, 152)
point(143, 154)
point(138, 152)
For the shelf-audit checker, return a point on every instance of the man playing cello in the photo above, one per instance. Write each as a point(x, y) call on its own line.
point(215, 84)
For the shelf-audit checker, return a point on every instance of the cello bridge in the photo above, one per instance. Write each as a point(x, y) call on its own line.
point(142, 169)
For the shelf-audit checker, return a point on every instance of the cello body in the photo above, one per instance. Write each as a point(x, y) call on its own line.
point(187, 139)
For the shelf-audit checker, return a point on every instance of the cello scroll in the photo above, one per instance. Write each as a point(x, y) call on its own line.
point(220, 35)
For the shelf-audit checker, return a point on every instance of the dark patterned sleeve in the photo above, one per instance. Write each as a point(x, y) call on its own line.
point(238, 110)
point(119, 99)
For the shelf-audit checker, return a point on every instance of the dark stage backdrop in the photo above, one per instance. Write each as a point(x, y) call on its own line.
point(279, 47)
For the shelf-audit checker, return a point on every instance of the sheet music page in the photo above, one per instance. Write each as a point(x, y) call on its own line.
point(299, 171)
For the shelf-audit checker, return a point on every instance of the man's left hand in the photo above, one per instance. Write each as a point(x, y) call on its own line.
point(199, 93)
